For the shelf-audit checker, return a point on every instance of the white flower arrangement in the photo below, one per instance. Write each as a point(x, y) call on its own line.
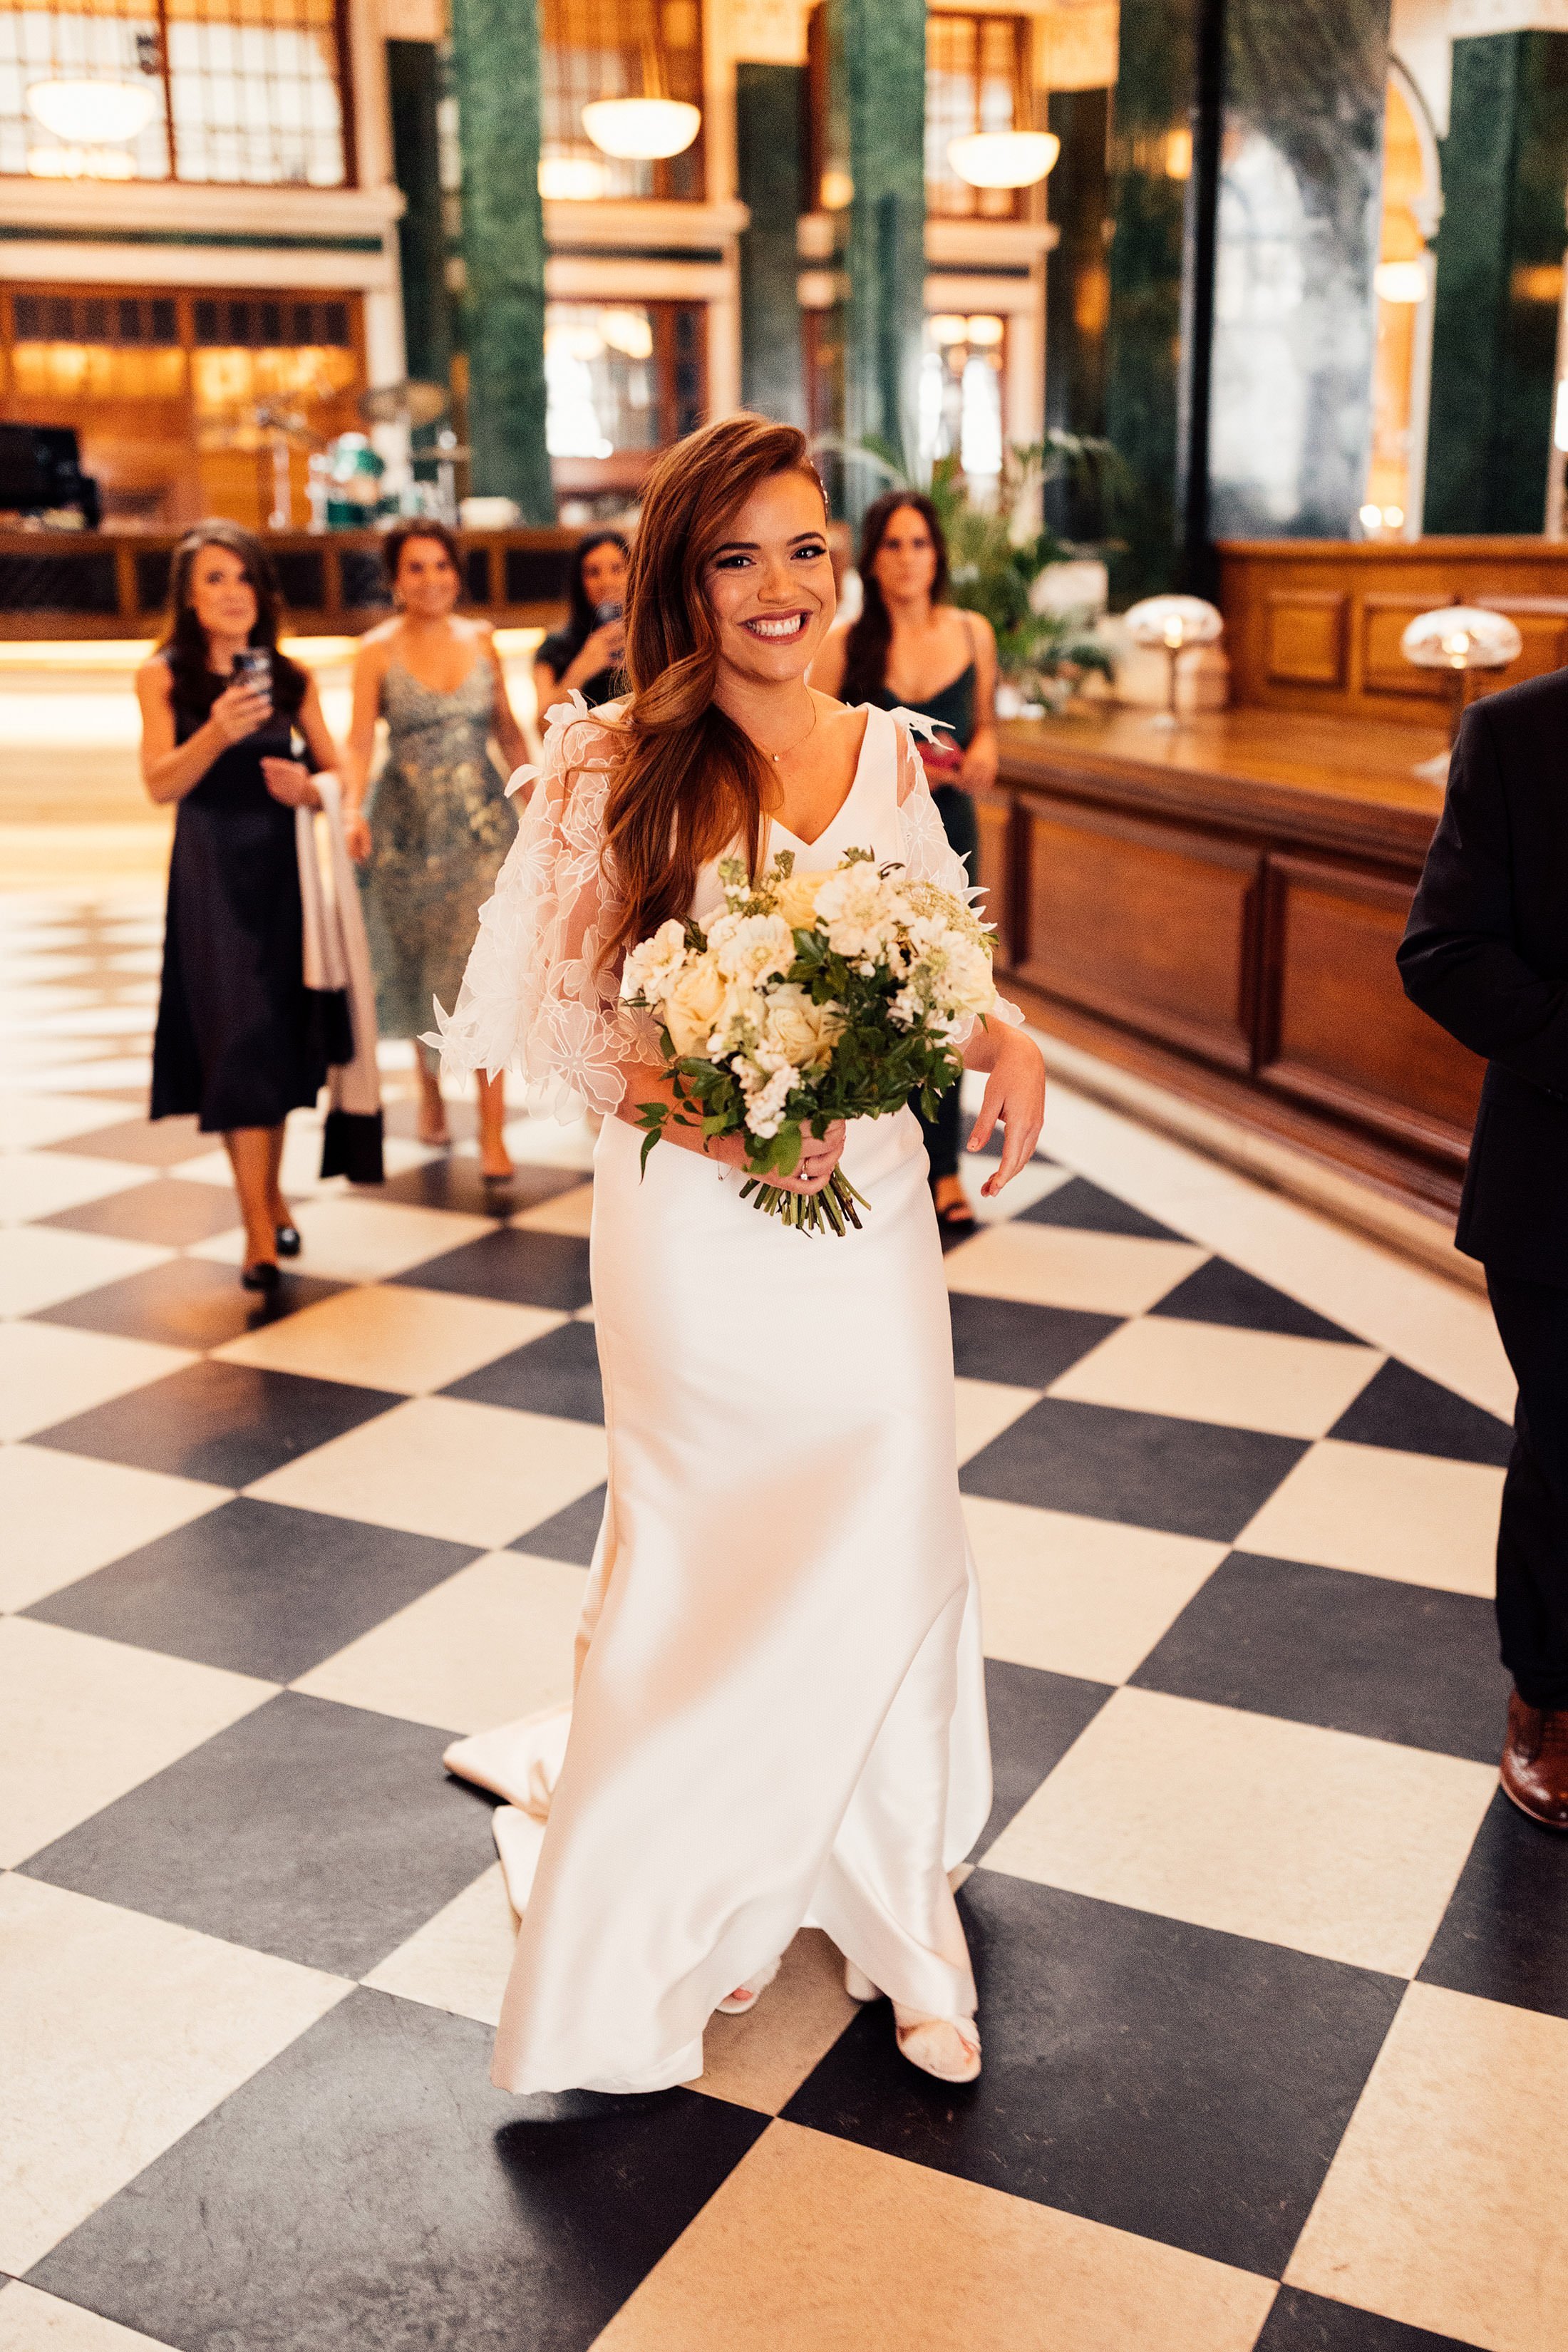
point(811, 998)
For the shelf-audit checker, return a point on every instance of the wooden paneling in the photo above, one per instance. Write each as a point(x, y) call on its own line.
point(1337, 1028)
point(995, 874)
point(1147, 923)
point(1280, 597)
point(1307, 637)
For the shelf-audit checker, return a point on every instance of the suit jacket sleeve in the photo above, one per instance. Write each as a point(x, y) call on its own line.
point(1458, 958)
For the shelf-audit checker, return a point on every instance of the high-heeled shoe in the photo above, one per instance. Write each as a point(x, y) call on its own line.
point(937, 2046)
point(288, 1240)
point(744, 2000)
point(263, 1276)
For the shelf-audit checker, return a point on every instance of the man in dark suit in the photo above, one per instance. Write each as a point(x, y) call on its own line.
point(1486, 954)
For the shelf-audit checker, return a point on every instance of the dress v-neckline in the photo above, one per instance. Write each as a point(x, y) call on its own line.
point(442, 693)
point(776, 825)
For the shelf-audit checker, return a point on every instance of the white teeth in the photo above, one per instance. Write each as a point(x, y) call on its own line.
point(789, 628)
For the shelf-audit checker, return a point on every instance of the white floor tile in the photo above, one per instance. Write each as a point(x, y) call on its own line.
point(1319, 1839)
point(42, 1265)
point(65, 1515)
point(569, 1212)
point(476, 1474)
point(1061, 1266)
point(1208, 1371)
point(386, 1337)
point(493, 1642)
point(41, 1183)
point(48, 1372)
point(459, 1960)
point(1087, 1597)
point(985, 1408)
point(1413, 1518)
point(128, 2025)
point(31, 2322)
point(354, 1239)
point(29, 1123)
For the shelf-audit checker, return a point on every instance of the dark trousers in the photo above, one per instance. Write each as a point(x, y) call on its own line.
point(1532, 1539)
point(962, 827)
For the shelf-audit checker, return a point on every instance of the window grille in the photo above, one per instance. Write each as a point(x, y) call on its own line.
point(975, 81)
point(250, 92)
point(616, 48)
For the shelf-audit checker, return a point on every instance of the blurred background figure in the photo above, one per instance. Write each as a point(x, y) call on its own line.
point(224, 711)
point(587, 654)
point(910, 648)
point(432, 836)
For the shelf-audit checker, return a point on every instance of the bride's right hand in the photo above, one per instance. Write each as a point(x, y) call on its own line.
point(820, 1156)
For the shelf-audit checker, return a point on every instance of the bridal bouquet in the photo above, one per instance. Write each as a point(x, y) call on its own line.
point(811, 998)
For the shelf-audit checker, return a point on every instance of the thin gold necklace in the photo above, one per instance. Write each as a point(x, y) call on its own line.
point(776, 756)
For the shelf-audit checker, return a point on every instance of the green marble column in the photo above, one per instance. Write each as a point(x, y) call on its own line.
point(1150, 168)
point(878, 53)
point(1077, 292)
point(495, 47)
point(1494, 329)
point(769, 111)
point(413, 76)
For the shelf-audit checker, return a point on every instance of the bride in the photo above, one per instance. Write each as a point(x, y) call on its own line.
point(779, 1717)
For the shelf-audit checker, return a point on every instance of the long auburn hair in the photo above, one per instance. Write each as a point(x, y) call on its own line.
point(871, 633)
point(185, 641)
point(689, 780)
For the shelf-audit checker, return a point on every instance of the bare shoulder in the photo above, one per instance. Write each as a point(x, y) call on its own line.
point(978, 625)
point(473, 629)
point(377, 643)
point(153, 678)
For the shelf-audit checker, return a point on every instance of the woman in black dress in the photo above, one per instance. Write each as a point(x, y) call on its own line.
point(912, 649)
point(239, 1039)
point(587, 654)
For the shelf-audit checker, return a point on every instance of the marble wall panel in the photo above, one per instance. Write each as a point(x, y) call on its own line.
point(879, 55)
point(770, 102)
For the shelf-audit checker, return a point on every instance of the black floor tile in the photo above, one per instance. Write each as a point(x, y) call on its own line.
point(1035, 1719)
point(228, 1424)
point(558, 1373)
point(154, 1143)
point(1351, 1653)
point(524, 1269)
point(1504, 1936)
point(187, 1302)
point(368, 2191)
point(1404, 1409)
point(449, 1183)
point(1308, 2322)
point(571, 1535)
point(1162, 2078)
point(167, 1211)
point(323, 1834)
point(257, 1587)
point(1222, 1293)
point(1079, 1202)
point(1190, 1477)
point(1026, 1347)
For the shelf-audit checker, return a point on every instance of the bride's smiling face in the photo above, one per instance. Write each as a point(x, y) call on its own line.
point(769, 585)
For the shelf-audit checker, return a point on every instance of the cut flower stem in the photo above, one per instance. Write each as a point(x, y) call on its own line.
point(809, 1213)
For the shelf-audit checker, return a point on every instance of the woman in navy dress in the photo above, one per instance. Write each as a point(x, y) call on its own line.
point(910, 649)
point(241, 1041)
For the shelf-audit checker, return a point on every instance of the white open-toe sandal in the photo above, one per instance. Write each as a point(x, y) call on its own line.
point(744, 1997)
point(935, 2044)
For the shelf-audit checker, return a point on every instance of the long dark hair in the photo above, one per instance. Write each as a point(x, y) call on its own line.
point(185, 641)
point(414, 527)
point(871, 633)
point(687, 780)
point(583, 619)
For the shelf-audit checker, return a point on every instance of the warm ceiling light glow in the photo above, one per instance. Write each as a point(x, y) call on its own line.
point(982, 333)
point(572, 179)
point(93, 112)
point(1370, 516)
point(1179, 153)
point(1004, 159)
point(837, 192)
point(81, 163)
point(641, 129)
point(946, 327)
point(629, 332)
point(1400, 281)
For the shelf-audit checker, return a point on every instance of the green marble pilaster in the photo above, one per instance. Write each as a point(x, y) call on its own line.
point(769, 111)
point(1077, 298)
point(878, 50)
point(1153, 102)
point(496, 61)
point(1494, 329)
point(413, 76)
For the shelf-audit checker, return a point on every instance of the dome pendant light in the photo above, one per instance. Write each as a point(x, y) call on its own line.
point(1004, 159)
point(91, 113)
point(646, 129)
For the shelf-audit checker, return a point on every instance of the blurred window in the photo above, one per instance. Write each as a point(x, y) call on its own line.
point(616, 48)
point(975, 68)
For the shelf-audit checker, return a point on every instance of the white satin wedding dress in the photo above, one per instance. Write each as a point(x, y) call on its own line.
point(779, 1717)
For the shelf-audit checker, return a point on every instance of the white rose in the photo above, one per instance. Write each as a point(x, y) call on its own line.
point(804, 1032)
point(795, 901)
point(694, 1005)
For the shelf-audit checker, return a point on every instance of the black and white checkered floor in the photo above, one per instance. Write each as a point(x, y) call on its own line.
point(1274, 1985)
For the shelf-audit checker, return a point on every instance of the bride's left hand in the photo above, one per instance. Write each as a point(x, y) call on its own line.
point(1014, 1094)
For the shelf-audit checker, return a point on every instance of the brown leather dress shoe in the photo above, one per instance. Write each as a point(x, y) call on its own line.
point(1535, 1762)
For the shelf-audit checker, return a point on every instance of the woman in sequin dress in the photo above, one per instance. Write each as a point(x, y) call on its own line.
point(436, 826)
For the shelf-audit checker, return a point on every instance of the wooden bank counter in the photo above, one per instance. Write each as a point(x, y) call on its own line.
point(1217, 910)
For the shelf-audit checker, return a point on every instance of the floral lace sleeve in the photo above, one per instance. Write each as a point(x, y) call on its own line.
point(929, 856)
point(535, 998)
